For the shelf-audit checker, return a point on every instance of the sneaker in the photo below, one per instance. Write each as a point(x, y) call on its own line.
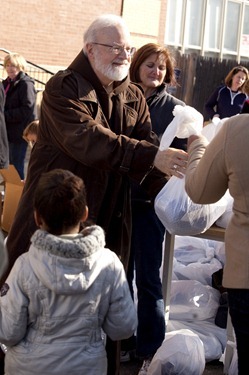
point(144, 369)
point(125, 356)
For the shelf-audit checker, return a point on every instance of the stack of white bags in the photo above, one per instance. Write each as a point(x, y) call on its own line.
point(192, 338)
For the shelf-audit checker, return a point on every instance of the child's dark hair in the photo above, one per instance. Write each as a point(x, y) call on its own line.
point(60, 199)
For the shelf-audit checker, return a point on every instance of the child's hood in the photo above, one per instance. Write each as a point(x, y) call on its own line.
point(67, 266)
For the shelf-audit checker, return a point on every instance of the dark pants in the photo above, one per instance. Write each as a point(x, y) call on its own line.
point(1, 362)
point(146, 254)
point(238, 302)
point(17, 153)
point(113, 356)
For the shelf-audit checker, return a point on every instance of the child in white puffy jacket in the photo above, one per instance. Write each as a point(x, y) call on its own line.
point(66, 291)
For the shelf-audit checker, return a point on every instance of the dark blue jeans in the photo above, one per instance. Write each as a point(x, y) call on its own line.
point(17, 153)
point(238, 302)
point(146, 255)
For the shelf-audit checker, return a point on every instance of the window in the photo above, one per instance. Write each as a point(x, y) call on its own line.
point(232, 23)
point(194, 16)
point(174, 29)
point(245, 33)
point(214, 27)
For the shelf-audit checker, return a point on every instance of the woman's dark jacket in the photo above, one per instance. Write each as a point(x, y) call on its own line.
point(4, 146)
point(161, 105)
point(20, 106)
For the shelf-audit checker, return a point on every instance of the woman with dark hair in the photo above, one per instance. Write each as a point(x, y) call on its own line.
point(227, 100)
point(152, 68)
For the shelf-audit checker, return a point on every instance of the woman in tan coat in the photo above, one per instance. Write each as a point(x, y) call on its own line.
point(212, 169)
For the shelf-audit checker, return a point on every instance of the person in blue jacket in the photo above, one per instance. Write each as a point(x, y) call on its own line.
point(227, 100)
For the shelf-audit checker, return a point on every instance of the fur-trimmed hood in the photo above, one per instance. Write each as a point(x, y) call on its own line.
point(59, 298)
point(65, 265)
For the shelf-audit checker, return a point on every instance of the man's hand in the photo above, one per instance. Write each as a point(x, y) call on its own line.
point(172, 162)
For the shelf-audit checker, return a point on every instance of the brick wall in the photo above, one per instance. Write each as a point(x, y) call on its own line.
point(50, 33)
point(146, 20)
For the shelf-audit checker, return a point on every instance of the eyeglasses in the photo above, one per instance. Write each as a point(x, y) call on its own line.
point(119, 49)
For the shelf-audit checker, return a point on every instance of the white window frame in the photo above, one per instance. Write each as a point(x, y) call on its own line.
point(203, 50)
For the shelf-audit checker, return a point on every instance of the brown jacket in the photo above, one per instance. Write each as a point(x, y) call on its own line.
point(214, 168)
point(105, 138)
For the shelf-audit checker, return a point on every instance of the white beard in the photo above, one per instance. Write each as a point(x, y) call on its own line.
point(114, 73)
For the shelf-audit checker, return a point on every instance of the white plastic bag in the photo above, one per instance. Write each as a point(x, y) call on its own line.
point(187, 121)
point(213, 337)
point(181, 353)
point(233, 368)
point(211, 129)
point(224, 219)
point(180, 215)
point(173, 206)
point(191, 300)
point(198, 271)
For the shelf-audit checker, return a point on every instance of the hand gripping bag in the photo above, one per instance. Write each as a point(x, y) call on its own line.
point(178, 213)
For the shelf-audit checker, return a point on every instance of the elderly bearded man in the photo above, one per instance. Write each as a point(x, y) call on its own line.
point(95, 123)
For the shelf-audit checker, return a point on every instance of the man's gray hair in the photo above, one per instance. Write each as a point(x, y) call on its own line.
point(100, 23)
